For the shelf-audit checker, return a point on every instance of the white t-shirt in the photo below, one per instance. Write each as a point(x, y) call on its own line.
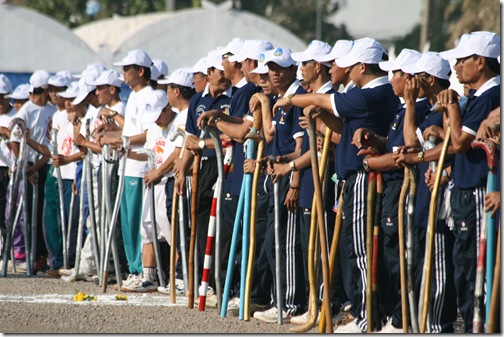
point(158, 139)
point(66, 147)
point(133, 126)
point(39, 120)
point(4, 121)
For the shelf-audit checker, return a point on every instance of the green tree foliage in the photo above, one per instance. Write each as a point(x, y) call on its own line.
point(300, 17)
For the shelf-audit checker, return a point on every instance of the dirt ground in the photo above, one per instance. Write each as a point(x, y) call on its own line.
point(45, 305)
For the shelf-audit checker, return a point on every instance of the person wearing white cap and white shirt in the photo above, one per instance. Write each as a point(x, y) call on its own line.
point(136, 72)
point(159, 70)
point(478, 67)
point(179, 89)
point(37, 115)
point(371, 105)
point(428, 76)
point(52, 228)
point(20, 95)
point(216, 96)
point(159, 116)
point(7, 113)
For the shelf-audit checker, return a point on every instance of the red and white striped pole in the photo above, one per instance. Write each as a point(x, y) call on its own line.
point(207, 263)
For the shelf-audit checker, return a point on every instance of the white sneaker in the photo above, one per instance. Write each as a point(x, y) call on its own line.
point(271, 315)
point(66, 272)
point(302, 319)
point(233, 308)
point(131, 283)
point(349, 328)
point(179, 288)
point(146, 286)
point(389, 328)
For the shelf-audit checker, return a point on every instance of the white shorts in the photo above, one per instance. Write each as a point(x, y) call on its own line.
point(163, 224)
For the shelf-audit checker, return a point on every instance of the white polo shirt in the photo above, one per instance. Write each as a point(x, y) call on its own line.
point(133, 126)
point(4, 121)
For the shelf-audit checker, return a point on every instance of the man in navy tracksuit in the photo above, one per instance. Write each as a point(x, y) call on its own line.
point(371, 106)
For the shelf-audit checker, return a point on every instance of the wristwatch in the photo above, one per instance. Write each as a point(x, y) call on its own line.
point(292, 166)
point(365, 164)
point(421, 157)
point(201, 144)
point(289, 98)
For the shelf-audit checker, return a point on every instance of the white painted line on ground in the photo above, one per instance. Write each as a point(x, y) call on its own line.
point(146, 300)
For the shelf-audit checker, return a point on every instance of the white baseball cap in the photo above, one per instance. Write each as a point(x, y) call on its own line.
point(261, 67)
point(365, 50)
point(135, 57)
point(486, 44)
point(200, 66)
point(315, 48)
point(214, 59)
point(5, 85)
point(432, 63)
point(22, 91)
point(39, 79)
point(234, 46)
point(158, 69)
point(179, 77)
point(84, 90)
point(282, 57)
point(59, 80)
point(71, 91)
point(405, 57)
point(341, 47)
point(251, 50)
point(92, 69)
point(155, 102)
point(107, 77)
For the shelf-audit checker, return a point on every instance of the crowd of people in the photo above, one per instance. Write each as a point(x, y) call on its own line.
point(386, 118)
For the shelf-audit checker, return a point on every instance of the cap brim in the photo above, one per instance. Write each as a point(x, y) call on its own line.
point(79, 98)
point(164, 81)
point(346, 61)
point(281, 63)
point(151, 117)
point(259, 70)
point(388, 65)
point(121, 64)
point(301, 57)
point(220, 67)
point(411, 69)
point(326, 58)
point(14, 96)
point(456, 53)
point(237, 58)
point(65, 95)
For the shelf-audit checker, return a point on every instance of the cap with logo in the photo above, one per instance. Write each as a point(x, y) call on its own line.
point(261, 67)
point(432, 63)
point(366, 50)
point(155, 102)
point(135, 57)
point(282, 57)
